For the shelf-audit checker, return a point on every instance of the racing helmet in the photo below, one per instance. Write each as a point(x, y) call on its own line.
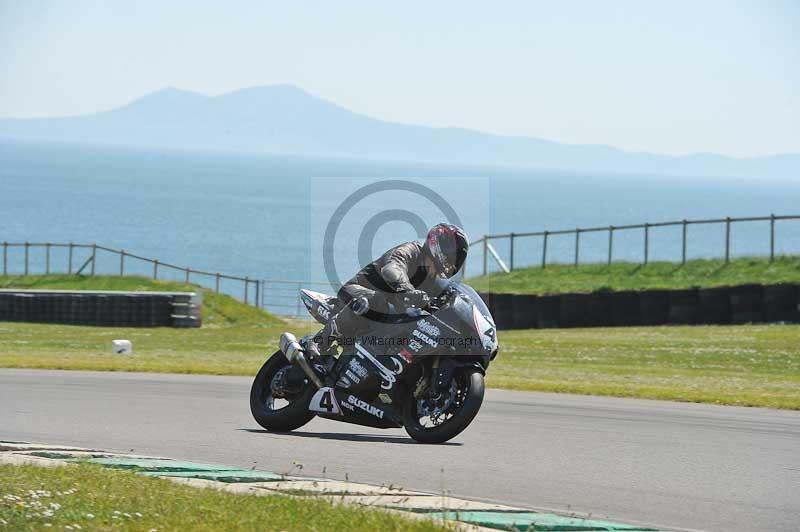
point(448, 246)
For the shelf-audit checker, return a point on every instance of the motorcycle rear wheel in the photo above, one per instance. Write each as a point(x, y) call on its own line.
point(290, 416)
point(470, 389)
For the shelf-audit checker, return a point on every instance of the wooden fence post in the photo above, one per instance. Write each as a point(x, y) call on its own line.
point(155, 269)
point(577, 245)
point(216, 288)
point(610, 243)
point(186, 278)
point(122, 262)
point(94, 257)
point(646, 242)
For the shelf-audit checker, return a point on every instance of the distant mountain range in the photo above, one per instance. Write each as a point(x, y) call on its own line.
point(283, 119)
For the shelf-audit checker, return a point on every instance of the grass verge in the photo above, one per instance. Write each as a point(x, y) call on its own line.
point(562, 278)
point(88, 497)
point(754, 365)
point(747, 365)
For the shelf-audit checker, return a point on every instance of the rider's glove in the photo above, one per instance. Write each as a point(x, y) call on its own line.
point(415, 298)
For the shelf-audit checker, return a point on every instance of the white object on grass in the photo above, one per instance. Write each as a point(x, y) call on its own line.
point(121, 347)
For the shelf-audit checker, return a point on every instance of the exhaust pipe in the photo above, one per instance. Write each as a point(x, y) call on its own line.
point(293, 352)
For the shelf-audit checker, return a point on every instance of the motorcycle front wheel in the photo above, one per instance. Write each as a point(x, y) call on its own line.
point(438, 419)
point(278, 412)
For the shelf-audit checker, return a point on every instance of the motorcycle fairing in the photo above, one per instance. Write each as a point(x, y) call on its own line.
point(324, 402)
point(319, 305)
point(356, 410)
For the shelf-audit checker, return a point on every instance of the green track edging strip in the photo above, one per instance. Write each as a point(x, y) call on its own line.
point(516, 520)
point(243, 476)
point(530, 521)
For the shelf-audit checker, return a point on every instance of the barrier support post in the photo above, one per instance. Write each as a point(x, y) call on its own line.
point(544, 250)
point(485, 255)
point(771, 237)
point(511, 258)
point(610, 243)
point(727, 239)
point(683, 252)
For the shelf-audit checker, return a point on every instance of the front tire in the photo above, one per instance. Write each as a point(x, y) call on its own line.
point(289, 416)
point(469, 398)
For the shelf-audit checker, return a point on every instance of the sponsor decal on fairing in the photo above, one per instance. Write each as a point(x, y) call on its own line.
point(388, 377)
point(365, 406)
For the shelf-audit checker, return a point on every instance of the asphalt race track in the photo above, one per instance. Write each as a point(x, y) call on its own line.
point(666, 464)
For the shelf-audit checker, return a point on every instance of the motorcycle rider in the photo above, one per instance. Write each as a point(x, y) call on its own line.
point(405, 276)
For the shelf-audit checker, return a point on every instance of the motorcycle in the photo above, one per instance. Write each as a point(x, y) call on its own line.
point(423, 370)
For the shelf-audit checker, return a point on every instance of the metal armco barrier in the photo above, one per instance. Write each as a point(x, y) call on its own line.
point(119, 309)
point(752, 303)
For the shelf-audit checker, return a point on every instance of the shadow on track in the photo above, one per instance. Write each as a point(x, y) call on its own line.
point(370, 438)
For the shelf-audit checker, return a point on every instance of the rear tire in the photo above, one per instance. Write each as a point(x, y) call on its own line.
point(292, 416)
point(472, 379)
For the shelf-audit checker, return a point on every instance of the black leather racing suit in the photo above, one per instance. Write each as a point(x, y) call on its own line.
point(401, 269)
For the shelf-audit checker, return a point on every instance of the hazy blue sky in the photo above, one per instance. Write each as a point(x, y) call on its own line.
point(668, 77)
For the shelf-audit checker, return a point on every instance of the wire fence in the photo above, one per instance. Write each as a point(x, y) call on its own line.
point(84, 259)
point(31, 258)
point(511, 240)
point(282, 296)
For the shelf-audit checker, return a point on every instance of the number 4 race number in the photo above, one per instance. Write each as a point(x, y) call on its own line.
point(324, 402)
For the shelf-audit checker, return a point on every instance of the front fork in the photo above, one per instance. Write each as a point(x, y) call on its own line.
point(425, 382)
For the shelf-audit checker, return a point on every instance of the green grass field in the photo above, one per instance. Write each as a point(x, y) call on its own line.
point(757, 365)
point(562, 278)
point(88, 497)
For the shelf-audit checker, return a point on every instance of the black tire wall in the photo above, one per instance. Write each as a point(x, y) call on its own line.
point(714, 305)
point(625, 308)
point(548, 312)
point(524, 309)
point(131, 309)
point(654, 305)
point(573, 310)
point(503, 312)
point(598, 310)
point(781, 303)
point(747, 303)
point(683, 307)
point(750, 303)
